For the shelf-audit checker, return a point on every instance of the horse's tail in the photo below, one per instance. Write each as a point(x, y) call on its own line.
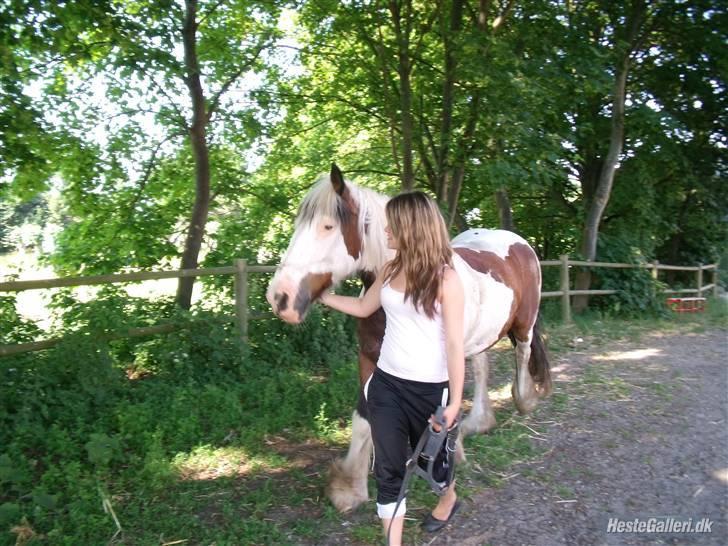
point(538, 362)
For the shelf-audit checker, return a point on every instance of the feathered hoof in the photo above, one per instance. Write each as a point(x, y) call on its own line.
point(477, 425)
point(525, 407)
point(345, 491)
point(545, 390)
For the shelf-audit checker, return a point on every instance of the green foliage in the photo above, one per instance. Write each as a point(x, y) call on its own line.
point(120, 413)
point(637, 292)
point(529, 114)
point(13, 327)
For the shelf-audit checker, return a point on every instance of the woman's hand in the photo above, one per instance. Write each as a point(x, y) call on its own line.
point(357, 307)
point(451, 414)
point(323, 298)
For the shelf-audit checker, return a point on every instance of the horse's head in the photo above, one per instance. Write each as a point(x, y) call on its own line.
point(326, 247)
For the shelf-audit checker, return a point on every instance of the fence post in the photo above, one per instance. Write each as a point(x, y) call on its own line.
point(565, 298)
point(699, 278)
point(715, 281)
point(241, 298)
point(655, 272)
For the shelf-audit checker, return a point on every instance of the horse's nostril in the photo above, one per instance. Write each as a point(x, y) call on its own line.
point(281, 301)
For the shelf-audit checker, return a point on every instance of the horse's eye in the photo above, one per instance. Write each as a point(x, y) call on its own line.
point(328, 227)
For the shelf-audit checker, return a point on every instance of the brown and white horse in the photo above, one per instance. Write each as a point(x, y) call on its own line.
point(339, 232)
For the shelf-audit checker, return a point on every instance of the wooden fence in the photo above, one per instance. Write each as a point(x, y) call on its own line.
point(240, 270)
point(565, 292)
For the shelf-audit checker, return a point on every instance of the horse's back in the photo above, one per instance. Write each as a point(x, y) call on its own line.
point(501, 277)
point(498, 241)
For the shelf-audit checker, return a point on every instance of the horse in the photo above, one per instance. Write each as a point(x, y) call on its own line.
point(339, 233)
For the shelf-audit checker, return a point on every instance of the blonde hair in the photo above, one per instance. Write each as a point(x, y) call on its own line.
point(423, 247)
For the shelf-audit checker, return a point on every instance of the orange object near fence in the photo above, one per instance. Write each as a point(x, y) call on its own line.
point(686, 305)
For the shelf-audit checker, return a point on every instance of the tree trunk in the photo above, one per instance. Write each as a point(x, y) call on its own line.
point(462, 153)
point(603, 189)
point(466, 145)
point(404, 70)
point(200, 153)
point(448, 33)
point(504, 209)
point(598, 204)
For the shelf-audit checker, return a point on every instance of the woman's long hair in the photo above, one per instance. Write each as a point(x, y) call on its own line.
point(423, 247)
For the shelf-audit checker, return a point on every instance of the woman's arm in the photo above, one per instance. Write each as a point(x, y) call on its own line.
point(453, 316)
point(357, 307)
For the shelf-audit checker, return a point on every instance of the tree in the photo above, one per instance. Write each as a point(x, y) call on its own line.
point(626, 32)
point(420, 70)
point(147, 56)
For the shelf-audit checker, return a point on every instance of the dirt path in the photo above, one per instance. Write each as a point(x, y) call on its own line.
point(636, 430)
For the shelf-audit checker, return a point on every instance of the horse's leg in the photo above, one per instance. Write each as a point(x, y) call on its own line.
point(347, 486)
point(523, 389)
point(481, 418)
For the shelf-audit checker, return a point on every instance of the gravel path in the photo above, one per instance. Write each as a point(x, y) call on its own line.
point(639, 430)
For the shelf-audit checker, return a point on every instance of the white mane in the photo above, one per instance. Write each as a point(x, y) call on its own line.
point(323, 200)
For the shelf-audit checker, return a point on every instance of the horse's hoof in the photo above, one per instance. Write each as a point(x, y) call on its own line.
point(478, 425)
point(344, 492)
point(345, 500)
point(526, 407)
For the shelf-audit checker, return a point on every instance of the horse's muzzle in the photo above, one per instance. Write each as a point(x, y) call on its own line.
point(291, 302)
point(280, 302)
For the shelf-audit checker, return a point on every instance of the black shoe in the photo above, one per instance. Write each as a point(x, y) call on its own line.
point(432, 524)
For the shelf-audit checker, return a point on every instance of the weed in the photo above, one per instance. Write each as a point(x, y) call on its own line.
point(368, 534)
point(559, 401)
point(565, 492)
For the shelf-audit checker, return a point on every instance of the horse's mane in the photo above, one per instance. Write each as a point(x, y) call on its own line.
point(322, 200)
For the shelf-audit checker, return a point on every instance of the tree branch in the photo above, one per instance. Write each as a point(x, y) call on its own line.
point(209, 12)
point(498, 22)
point(215, 102)
point(150, 164)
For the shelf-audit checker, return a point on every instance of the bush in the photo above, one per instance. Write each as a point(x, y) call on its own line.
point(91, 416)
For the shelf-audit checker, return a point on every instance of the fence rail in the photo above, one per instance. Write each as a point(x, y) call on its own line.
point(240, 270)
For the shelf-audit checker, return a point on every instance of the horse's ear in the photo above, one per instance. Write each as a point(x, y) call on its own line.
point(337, 179)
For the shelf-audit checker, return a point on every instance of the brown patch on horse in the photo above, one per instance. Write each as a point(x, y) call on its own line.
point(349, 213)
point(485, 261)
point(311, 287)
point(520, 264)
point(525, 261)
point(350, 225)
point(370, 331)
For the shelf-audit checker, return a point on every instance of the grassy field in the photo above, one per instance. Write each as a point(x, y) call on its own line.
point(194, 439)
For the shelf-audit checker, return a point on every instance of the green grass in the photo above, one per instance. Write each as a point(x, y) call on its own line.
point(187, 452)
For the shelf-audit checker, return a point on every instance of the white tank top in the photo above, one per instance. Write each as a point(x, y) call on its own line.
point(414, 344)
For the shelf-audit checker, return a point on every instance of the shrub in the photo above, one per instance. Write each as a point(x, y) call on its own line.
point(91, 416)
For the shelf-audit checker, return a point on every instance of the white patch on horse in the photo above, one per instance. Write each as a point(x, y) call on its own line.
point(323, 205)
point(372, 221)
point(313, 249)
point(497, 241)
point(487, 306)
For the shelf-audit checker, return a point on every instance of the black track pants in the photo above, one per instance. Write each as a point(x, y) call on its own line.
point(399, 410)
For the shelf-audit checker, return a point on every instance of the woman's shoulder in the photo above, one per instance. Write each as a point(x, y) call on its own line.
point(449, 275)
point(450, 279)
point(450, 282)
point(385, 269)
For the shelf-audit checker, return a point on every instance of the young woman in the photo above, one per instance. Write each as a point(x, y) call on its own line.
point(422, 363)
